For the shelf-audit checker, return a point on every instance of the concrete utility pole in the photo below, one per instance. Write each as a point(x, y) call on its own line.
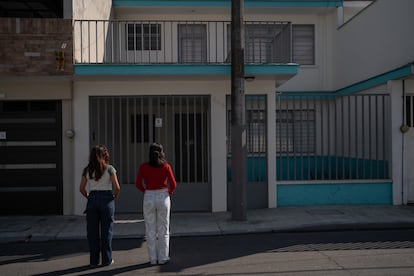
point(238, 116)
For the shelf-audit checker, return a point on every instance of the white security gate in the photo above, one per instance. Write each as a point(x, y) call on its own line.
point(128, 125)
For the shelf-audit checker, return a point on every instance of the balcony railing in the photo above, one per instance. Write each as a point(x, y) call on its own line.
point(178, 42)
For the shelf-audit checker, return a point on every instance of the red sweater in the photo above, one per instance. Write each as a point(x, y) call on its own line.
point(155, 178)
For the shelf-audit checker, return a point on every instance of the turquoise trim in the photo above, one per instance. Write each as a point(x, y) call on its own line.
point(179, 69)
point(377, 80)
point(256, 169)
point(227, 3)
point(313, 168)
point(329, 167)
point(334, 194)
point(271, 69)
point(404, 71)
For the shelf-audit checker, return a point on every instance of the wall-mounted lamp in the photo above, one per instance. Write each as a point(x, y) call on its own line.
point(249, 78)
point(60, 58)
point(69, 133)
point(404, 128)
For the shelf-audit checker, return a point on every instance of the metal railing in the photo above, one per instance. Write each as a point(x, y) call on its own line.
point(339, 137)
point(177, 42)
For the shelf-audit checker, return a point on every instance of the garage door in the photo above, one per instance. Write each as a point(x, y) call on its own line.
point(30, 157)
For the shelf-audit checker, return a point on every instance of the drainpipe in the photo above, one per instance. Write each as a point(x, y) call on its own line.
point(403, 145)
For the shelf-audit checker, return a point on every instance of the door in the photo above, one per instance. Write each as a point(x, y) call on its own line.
point(31, 157)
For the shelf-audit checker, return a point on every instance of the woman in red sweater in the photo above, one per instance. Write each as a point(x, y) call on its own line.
point(156, 180)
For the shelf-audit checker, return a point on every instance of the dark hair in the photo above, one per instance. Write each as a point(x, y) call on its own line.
point(98, 162)
point(156, 155)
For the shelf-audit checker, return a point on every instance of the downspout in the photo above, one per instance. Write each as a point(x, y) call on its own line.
point(403, 145)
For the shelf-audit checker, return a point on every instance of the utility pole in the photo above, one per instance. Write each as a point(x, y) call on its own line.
point(238, 116)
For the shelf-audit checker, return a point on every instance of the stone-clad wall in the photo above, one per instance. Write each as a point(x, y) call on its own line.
point(28, 47)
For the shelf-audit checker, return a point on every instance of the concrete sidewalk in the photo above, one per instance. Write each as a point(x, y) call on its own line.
point(282, 219)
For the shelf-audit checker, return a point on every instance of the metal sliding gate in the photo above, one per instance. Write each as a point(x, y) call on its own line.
point(256, 127)
point(332, 137)
point(128, 125)
point(31, 157)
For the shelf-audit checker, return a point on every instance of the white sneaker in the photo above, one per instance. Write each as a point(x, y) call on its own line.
point(162, 262)
point(111, 263)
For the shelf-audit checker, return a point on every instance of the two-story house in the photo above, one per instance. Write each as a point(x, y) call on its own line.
point(328, 88)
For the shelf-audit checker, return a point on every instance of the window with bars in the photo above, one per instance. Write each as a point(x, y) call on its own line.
point(259, 43)
point(144, 37)
point(295, 131)
point(192, 43)
point(266, 43)
point(303, 39)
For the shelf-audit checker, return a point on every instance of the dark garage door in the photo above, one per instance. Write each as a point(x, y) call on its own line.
point(30, 157)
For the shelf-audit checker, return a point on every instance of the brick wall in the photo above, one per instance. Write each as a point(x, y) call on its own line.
point(28, 46)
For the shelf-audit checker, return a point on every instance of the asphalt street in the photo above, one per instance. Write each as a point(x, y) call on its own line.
point(385, 252)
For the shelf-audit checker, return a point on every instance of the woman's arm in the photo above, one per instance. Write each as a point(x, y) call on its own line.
point(82, 187)
point(115, 185)
point(171, 180)
point(139, 179)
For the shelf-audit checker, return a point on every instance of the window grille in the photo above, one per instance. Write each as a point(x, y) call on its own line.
point(265, 42)
point(192, 43)
point(144, 37)
point(255, 124)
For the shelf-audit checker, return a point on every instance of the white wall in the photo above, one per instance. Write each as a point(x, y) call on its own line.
point(310, 77)
point(92, 9)
point(377, 40)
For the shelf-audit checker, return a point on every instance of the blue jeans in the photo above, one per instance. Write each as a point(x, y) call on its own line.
point(100, 211)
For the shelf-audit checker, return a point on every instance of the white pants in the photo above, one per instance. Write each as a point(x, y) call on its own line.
point(157, 205)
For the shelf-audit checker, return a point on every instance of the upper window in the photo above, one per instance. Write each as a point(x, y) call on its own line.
point(192, 39)
point(144, 37)
point(303, 44)
point(273, 43)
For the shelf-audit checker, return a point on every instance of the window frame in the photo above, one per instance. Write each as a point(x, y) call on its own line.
point(144, 36)
point(295, 41)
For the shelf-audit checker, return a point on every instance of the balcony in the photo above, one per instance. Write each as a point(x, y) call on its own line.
point(140, 46)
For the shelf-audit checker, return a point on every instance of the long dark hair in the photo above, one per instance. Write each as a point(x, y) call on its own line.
point(156, 155)
point(98, 162)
